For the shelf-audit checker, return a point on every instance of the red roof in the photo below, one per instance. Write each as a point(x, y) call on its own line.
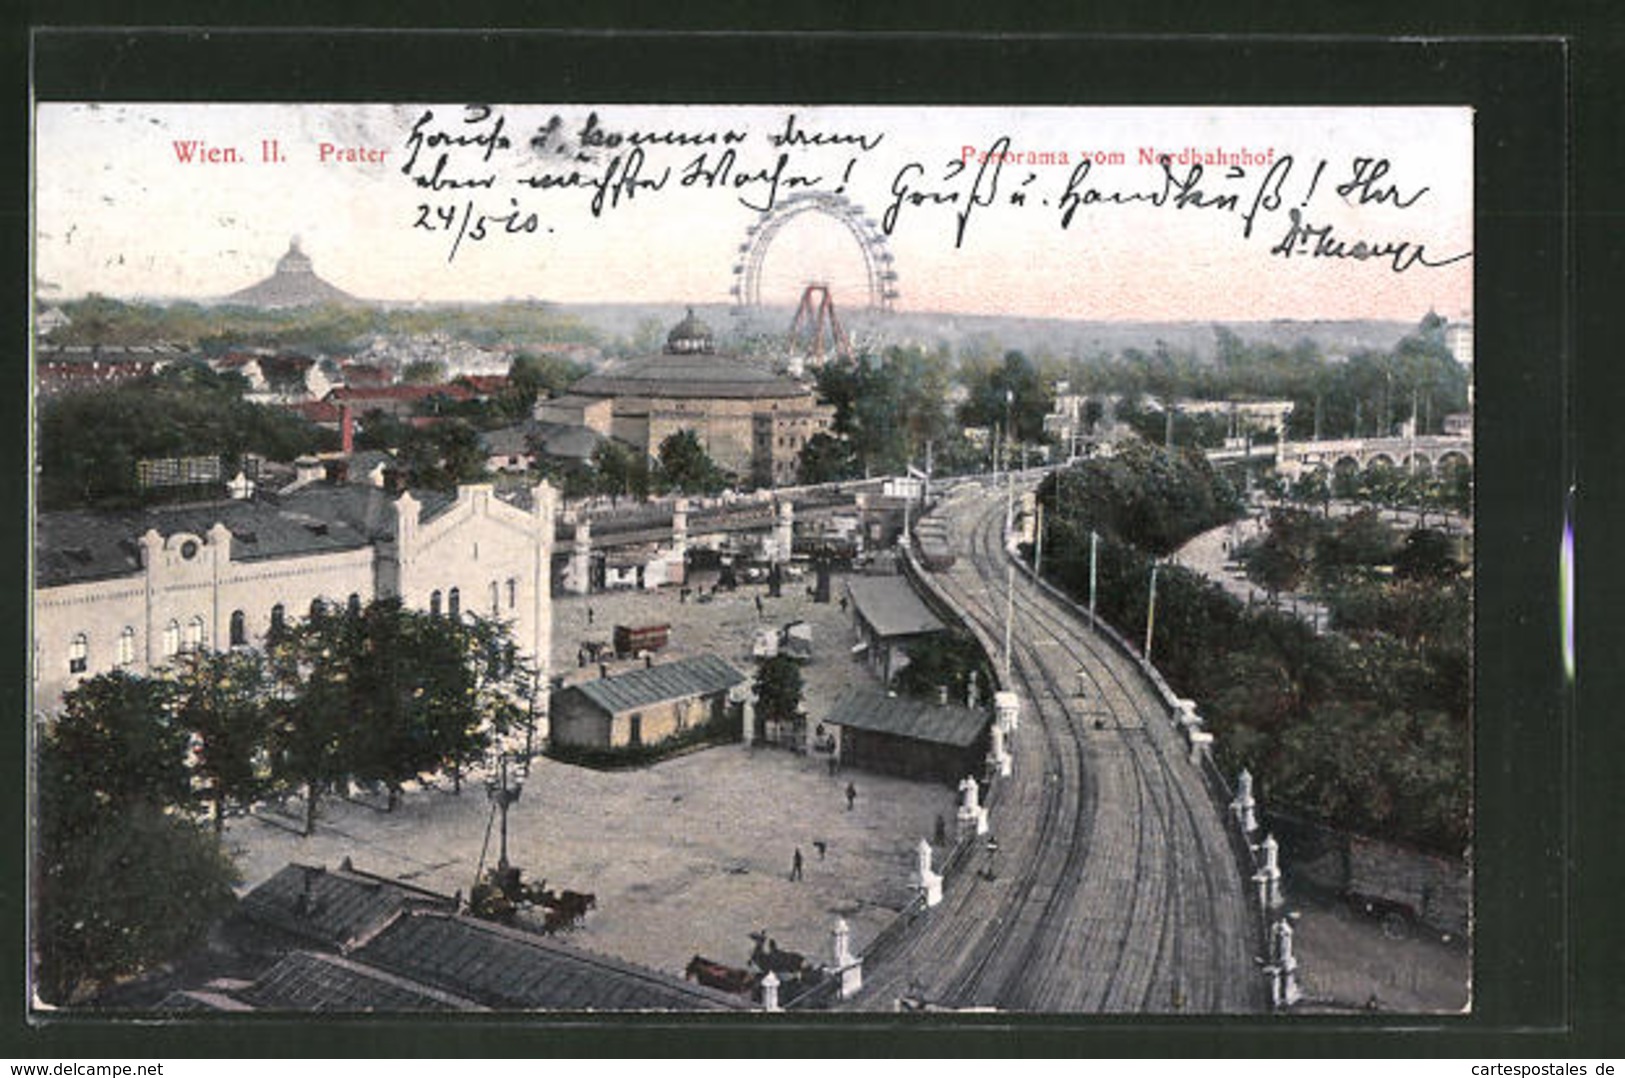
point(485, 384)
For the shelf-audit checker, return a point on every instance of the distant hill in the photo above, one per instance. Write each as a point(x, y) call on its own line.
point(294, 283)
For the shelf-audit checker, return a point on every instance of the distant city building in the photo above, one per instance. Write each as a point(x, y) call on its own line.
point(751, 421)
point(131, 590)
point(294, 283)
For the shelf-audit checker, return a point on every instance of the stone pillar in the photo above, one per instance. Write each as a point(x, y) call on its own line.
point(581, 559)
point(927, 881)
point(1007, 708)
point(677, 560)
point(1242, 806)
point(784, 531)
point(972, 816)
point(748, 720)
point(1201, 743)
point(1185, 716)
point(1284, 961)
point(998, 757)
point(848, 968)
point(1268, 878)
point(770, 992)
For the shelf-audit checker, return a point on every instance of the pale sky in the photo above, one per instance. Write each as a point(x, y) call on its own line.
point(118, 213)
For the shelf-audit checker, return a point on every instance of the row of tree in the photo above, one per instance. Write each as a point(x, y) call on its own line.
point(1367, 728)
point(333, 329)
point(127, 873)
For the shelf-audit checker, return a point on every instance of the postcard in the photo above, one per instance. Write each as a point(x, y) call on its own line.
point(683, 558)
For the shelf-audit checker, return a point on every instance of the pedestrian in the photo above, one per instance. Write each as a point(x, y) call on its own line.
point(758, 606)
point(589, 615)
point(843, 604)
point(795, 865)
point(851, 796)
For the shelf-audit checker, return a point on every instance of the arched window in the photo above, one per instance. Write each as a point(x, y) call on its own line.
point(126, 646)
point(434, 603)
point(354, 604)
point(454, 602)
point(279, 619)
point(496, 599)
point(513, 592)
point(172, 639)
point(194, 634)
point(239, 629)
point(78, 654)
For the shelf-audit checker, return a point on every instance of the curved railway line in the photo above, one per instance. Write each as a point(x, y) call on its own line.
point(1114, 888)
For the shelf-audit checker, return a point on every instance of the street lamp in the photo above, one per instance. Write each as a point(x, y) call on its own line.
point(502, 795)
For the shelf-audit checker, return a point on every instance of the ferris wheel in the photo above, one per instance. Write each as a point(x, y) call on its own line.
point(878, 261)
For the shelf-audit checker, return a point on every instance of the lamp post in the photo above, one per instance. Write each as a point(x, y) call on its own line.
point(502, 795)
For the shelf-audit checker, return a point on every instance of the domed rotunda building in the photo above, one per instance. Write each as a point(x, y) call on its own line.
point(752, 421)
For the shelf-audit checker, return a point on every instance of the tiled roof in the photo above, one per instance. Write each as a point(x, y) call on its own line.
point(511, 969)
point(699, 676)
point(699, 374)
point(305, 981)
point(908, 717)
point(891, 607)
point(334, 908)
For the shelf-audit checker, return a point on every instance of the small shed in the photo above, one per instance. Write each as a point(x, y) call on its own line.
point(909, 737)
point(889, 617)
point(643, 706)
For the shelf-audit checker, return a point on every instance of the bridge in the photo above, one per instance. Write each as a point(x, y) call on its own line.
point(1120, 882)
point(1427, 454)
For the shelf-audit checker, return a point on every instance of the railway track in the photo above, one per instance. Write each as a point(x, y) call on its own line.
point(1114, 889)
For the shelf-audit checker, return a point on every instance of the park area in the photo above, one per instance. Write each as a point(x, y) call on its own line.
point(686, 857)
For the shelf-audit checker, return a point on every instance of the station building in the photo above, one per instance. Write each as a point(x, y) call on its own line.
point(133, 589)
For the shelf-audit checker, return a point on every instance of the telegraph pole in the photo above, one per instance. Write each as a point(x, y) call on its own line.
point(1151, 613)
point(1094, 542)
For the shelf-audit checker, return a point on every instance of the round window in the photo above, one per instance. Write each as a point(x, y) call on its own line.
point(189, 549)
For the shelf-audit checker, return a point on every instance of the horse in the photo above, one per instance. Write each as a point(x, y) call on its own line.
point(740, 982)
point(769, 959)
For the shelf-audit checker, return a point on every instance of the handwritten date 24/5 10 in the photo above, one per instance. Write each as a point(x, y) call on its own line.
point(465, 222)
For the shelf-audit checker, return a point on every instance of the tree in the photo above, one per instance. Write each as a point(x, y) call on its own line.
point(1011, 393)
point(948, 661)
point(778, 690)
point(122, 881)
point(828, 458)
point(121, 734)
point(621, 470)
point(135, 888)
point(686, 468)
point(443, 455)
point(221, 700)
point(311, 663)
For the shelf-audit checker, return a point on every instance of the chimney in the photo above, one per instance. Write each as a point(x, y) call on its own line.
point(347, 429)
point(648, 661)
point(603, 670)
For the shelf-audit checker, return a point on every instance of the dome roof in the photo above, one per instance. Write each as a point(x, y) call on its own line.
point(689, 335)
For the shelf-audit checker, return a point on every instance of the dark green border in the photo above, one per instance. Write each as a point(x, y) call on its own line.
point(1529, 942)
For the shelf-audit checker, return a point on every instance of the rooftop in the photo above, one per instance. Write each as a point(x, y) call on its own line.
point(701, 675)
point(865, 708)
point(512, 969)
point(891, 607)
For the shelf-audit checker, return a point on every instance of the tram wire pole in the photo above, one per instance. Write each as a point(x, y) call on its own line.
point(1151, 613)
